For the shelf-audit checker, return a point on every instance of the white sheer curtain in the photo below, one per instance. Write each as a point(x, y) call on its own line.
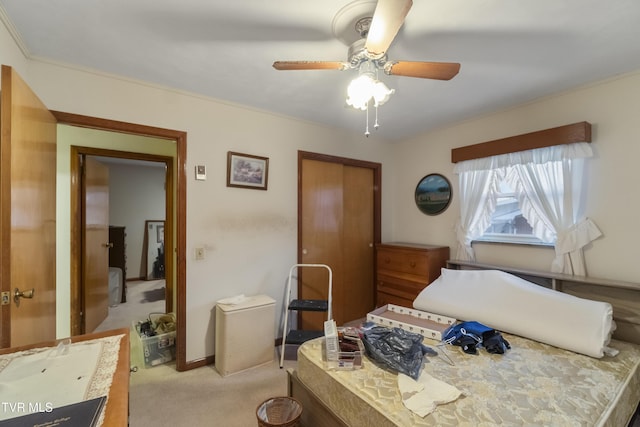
point(478, 189)
point(549, 193)
point(548, 183)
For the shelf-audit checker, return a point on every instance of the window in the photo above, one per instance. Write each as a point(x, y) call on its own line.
point(508, 225)
point(549, 183)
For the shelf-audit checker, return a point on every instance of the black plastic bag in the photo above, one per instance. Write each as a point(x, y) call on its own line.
point(495, 343)
point(396, 349)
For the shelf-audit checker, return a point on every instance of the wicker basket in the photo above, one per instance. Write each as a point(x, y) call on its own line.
point(279, 412)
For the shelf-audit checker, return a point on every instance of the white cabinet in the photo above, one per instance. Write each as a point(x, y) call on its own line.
point(245, 334)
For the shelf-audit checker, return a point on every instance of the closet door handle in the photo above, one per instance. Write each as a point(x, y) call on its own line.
point(108, 245)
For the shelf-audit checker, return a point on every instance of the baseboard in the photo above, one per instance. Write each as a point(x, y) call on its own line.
point(193, 364)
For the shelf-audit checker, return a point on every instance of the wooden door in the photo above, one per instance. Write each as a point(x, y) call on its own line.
point(339, 224)
point(28, 214)
point(321, 235)
point(95, 268)
point(358, 294)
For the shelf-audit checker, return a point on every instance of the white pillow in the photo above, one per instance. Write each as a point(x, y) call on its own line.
point(508, 303)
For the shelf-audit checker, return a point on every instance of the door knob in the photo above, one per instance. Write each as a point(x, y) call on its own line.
point(304, 252)
point(17, 294)
point(108, 245)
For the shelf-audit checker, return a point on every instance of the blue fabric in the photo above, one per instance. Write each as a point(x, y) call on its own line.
point(471, 335)
point(464, 328)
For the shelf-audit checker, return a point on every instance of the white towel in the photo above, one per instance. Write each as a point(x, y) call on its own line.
point(424, 395)
point(238, 299)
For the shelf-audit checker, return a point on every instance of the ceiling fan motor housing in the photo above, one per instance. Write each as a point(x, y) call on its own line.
point(358, 54)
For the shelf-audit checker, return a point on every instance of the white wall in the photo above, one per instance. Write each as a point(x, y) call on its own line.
point(611, 107)
point(136, 194)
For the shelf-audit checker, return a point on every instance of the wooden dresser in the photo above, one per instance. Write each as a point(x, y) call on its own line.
point(404, 269)
point(118, 255)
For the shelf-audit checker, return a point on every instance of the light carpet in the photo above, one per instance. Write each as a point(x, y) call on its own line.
point(143, 297)
point(161, 396)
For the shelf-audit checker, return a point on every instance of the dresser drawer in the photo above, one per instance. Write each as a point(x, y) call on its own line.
point(400, 287)
point(410, 262)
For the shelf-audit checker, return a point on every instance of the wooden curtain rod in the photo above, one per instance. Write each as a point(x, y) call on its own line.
point(568, 134)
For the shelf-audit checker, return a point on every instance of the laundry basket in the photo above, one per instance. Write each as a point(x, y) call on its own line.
point(279, 412)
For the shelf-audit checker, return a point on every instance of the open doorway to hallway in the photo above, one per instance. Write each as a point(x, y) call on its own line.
point(174, 238)
point(137, 207)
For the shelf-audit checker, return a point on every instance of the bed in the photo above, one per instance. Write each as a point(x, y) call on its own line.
point(535, 383)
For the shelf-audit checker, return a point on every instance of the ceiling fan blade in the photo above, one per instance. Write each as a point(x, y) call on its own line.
point(423, 70)
point(387, 20)
point(310, 65)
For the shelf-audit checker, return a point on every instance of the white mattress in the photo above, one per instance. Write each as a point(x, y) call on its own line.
point(532, 384)
point(508, 303)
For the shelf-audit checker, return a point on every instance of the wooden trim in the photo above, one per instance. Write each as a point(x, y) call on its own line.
point(75, 243)
point(568, 134)
point(5, 209)
point(181, 199)
point(193, 364)
point(115, 125)
point(551, 279)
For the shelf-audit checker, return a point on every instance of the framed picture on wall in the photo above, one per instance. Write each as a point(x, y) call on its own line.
point(247, 171)
point(433, 194)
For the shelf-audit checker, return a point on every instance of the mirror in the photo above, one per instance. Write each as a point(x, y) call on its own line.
point(433, 194)
point(154, 249)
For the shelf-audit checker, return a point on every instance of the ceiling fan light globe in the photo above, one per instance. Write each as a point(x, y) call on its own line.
point(381, 93)
point(360, 91)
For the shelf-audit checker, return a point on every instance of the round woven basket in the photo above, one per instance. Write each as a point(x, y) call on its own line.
point(279, 412)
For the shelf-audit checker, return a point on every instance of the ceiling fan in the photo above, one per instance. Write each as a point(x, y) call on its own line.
point(374, 35)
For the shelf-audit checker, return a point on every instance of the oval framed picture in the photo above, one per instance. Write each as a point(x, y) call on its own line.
point(433, 194)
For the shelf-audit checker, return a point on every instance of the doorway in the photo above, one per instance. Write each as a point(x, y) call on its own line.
point(176, 239)
point(131, 281)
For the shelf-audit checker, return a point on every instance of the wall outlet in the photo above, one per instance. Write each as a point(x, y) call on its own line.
point(199, 254)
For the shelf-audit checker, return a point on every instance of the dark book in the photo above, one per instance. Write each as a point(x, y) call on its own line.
point(81, 414)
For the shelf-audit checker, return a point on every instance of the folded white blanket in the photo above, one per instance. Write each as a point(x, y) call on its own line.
point(422, 396)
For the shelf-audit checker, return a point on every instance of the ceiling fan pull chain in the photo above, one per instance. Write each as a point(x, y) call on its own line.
point(366, 131)
point(376, 125)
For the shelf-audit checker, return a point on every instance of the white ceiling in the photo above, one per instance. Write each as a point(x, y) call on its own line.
point(510, 52)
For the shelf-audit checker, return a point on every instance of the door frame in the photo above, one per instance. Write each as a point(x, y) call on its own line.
point(77, 232)
point(180, 192)
point(377, 197)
